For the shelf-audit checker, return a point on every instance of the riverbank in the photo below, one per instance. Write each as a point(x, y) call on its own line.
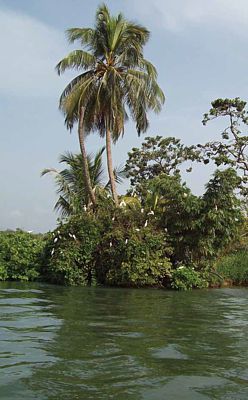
point(58, 258)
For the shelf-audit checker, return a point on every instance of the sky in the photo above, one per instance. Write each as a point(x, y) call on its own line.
point(199, 49)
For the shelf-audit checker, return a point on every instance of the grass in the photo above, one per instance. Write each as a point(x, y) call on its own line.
point(234, 267)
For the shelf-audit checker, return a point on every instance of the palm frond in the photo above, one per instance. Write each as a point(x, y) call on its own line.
point(63, 207)
point(49, 171)
point(77, 59)
point(84, 35)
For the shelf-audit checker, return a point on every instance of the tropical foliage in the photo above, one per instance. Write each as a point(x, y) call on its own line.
point(70, 251)
point(73, 195)
point(20, 255)
point(114, 78)
point(158, 233)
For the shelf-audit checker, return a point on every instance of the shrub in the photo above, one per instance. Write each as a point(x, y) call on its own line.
point(69, 255)
point(20, 255)
point(186, 278)
point(133, 257)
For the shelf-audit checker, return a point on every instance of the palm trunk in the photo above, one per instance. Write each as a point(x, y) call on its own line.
point(110, 167)
point(86, 174)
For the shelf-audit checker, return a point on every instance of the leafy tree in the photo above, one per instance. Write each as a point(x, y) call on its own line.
point(232, 150)
point(198, 228)
point(222, 215)
point(115, 76)
point(158, 155)
point(177, 212)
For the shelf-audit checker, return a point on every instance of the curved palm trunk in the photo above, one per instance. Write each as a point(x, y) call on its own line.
point(110, 167)
point(84, 158)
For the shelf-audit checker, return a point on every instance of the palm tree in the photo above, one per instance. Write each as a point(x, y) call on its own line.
point(73, 194)
point(114, 77)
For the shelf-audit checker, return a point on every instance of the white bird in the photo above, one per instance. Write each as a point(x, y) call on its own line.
point(126, 241)
point(146, 223)
point(85, 208)
point(110, 244)
point(55, 240)
point(52, 252)
point(70, 234)
point(151, 212)
point(137, 229)
point(113, 218)
point(74, 237)
point(122, 203)
point(142, 210)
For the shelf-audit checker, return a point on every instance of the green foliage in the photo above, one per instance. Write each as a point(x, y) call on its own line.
point(234, 267)
point(198, 228)
point(160, 226)
point(114, 246)
point(20, 255)
point(158, 155)
point(222, 214)
point(177, 212)
point(232, 149)
point(133, 257)
point(70, 251)
point(70, 183)
point(186, 278)
point(73, 197)
point(3, 271)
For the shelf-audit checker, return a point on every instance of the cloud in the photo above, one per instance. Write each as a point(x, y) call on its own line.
point(29, 52)
point(176, 16)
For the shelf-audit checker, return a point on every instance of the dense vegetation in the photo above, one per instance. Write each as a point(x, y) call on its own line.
point(159, 233)
point(20, 255)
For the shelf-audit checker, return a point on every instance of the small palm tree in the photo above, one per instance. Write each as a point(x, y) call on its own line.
point(73, 195)
point(115, 77)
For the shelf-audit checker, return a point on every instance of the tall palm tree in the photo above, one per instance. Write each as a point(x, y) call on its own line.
point(115, 77)
point(73, 195)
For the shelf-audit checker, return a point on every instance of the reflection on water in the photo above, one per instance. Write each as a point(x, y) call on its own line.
point(85, 343)
point(26, 325)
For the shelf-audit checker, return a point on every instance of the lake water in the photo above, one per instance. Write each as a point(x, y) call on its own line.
point(86, 343)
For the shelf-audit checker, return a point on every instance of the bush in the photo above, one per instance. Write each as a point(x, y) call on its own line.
point(132, 257)
point(69, 254)
point(186, 278)
point(20, 255)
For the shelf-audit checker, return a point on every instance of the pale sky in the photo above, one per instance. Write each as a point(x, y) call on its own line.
point(199, 48)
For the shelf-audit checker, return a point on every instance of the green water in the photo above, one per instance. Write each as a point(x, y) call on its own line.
point(77, 343)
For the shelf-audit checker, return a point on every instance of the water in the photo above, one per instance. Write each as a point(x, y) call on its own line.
point(80, 343)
